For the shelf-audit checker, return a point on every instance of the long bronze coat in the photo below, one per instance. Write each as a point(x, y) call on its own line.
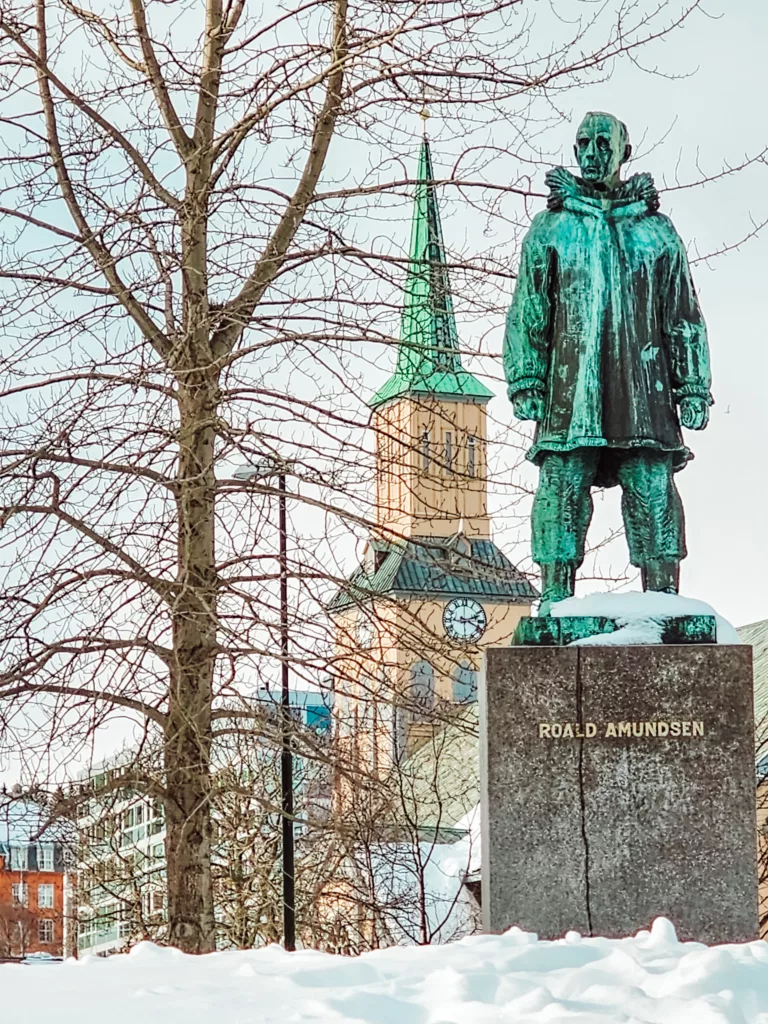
point(605, 321)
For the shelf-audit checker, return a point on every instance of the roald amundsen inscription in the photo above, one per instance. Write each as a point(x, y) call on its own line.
point(617, 730)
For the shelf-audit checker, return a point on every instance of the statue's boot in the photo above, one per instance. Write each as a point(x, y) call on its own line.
point(558, 581)
point(662, 577)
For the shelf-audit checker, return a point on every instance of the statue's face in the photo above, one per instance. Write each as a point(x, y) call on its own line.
point(600, 150)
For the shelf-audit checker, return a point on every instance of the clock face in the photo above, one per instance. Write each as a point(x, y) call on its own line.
point(464, 620)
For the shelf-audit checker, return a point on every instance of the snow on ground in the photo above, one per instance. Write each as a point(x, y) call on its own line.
point(640, 616)
point(511, 978)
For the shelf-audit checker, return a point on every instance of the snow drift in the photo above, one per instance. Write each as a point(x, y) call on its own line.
point(509, 978)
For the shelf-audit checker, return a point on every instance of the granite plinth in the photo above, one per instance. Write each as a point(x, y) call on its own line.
point(618, 785)
point(560, 631)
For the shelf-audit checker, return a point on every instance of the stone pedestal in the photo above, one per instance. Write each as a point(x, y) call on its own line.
point(618, 784)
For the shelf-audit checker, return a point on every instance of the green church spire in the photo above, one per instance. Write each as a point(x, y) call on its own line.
point(428, 358)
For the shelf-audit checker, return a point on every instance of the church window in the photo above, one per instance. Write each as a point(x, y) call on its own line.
point(471, 456)
point(20, 893)
point(399, 733)
point(374, 738)
point(464, 684)
point(425, 453)
point(422, 690)
point(355, 737)
point(448, 447)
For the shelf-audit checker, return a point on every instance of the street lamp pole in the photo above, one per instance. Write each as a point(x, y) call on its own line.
point(263, 470)
point(286, 756)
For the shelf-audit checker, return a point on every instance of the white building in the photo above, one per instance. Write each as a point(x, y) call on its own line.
point(121, 859)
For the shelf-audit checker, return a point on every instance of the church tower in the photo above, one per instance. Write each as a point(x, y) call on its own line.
point(434, 589)
point(430, 416)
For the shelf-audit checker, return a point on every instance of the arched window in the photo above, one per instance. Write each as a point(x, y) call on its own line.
point(471, 456)
point(422, 689)
point(448, 450)
point(399, 733)
point(425, 445)
point(464, 684)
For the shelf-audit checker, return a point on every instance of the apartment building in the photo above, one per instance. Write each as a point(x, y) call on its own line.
point(35, 879)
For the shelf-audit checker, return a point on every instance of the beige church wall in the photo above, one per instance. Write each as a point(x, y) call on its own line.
point(352, 660)
point(394, 490)
point(430, 501)
point(405, 634)
point(443, 654)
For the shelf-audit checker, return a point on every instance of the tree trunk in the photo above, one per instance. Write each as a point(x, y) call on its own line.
point(188, 732)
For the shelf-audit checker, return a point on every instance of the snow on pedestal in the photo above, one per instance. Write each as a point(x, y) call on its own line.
point(640, 616)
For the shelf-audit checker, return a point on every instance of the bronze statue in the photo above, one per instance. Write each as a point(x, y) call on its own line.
point(605, 342)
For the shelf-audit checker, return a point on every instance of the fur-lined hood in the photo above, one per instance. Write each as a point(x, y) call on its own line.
point(635, 197)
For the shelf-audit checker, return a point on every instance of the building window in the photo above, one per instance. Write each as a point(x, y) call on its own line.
point(355, 736)
point(399, 733)
point(425, 451)
point(464, 684)
point(45, 930)
point(471, 456)
point(20, 893)
point(45, 856)
point(18, 858)
point(374, 739)
point(448, 450)
point(45, 896)
point(422, 690)
point(158, 901)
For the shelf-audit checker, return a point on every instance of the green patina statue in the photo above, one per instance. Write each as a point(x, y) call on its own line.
point(604, 342)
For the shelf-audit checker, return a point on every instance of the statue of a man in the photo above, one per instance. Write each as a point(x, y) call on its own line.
point(604, 342)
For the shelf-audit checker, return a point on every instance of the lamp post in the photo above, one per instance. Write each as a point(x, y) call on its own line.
point(263, 470)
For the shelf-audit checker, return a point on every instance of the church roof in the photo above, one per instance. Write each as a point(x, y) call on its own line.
point(425, 567)
point(428, 357)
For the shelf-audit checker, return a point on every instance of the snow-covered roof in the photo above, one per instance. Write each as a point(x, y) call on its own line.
point(23, 821)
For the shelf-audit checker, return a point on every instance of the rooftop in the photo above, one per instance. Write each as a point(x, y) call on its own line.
point(426, 567)
point(23, 821)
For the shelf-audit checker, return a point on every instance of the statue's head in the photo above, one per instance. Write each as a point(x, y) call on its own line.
point(602, 146)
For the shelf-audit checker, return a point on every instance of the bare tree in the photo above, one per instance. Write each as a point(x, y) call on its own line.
point(122, 861)
point(18, 928)
point(246, 811)
point(193, 274)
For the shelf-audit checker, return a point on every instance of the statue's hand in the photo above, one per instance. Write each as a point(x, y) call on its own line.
point(694, 412)
point(529, 405)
